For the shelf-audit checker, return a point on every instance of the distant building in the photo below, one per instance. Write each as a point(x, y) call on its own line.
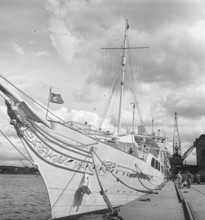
point(200, 153)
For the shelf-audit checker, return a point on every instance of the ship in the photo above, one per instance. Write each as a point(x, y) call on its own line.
point(85, 172)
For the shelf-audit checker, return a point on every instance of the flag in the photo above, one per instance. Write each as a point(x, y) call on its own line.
point(56, 98)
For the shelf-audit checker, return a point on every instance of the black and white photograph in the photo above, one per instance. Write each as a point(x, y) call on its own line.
point(102, 109)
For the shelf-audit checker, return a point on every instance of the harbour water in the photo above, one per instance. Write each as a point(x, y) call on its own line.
point(24, 197)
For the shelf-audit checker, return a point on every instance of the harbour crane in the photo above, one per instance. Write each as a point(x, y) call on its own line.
point(176, 138)
point(178, 158)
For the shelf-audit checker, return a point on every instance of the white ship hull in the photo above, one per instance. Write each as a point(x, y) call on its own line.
point(64, 172)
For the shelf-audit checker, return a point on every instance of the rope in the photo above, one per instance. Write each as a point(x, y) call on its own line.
point(118, 180)
point(26, 150)
point(17, 148)
point(133, 87)
point(31, 99)
point(141, 181)
point(109, 100)
point(113, 212)
point(107, 124)
point(102, 192)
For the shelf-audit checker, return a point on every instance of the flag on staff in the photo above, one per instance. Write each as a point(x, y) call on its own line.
point(56, 98)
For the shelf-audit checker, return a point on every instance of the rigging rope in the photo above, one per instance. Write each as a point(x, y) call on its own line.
point(114, 212)
point(102, 192)
point(113, 104)
point(111, 67)
point(37, 103)
point(109, 100)
point(134, 90)
point(140, 179)
point(118, 180)
point(17, 149)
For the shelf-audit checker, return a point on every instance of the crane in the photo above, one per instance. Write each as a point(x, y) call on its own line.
point(176, 137)
point(178, 158)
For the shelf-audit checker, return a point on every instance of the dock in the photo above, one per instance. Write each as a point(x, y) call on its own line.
point(164, 205)
point(168, 203)
point(194, 198)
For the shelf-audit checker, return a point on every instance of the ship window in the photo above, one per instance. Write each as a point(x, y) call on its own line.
point(158, 167)
point(152, 162)
point(162, 169)
point(155, 164)
point(203, 153)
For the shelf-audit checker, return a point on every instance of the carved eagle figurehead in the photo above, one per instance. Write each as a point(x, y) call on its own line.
point(20, 113)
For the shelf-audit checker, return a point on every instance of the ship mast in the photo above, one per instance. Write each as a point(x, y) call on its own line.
point(122, 76)
point(133, 117)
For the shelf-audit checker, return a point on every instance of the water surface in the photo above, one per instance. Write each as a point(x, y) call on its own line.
point(24, 197)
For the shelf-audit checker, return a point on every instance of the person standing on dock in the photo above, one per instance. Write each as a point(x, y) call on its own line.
point(188, 179)
point(198, 178)
point(179, 179)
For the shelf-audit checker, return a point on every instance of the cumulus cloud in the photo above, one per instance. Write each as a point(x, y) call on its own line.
point(87, 94)
point(187, 104)
point(18, 49)
point(65, 50)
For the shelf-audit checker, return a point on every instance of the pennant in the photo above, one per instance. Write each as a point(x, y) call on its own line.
point(56, 98)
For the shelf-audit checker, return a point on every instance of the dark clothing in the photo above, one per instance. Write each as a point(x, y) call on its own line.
point(188, 179)
point(131, 151)
point(198, 178)
point(179, 179)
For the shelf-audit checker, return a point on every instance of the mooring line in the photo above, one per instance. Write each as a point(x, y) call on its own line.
point(16, 148)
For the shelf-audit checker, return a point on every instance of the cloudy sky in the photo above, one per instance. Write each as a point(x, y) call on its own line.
point(58, 43)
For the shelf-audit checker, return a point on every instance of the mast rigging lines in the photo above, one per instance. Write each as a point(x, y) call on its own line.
point(122, 75)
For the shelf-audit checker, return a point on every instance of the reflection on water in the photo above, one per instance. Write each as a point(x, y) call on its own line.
point(24, 197)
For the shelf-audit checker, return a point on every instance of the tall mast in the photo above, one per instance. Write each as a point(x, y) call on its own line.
point(123, 64)
point(133, 117)
point(152, 126)
point(122, 75)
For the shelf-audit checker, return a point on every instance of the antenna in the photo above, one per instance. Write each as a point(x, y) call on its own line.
point(152, 126)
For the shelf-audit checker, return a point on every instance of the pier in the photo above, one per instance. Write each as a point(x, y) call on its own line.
point(169, 203)
point(194, 199)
